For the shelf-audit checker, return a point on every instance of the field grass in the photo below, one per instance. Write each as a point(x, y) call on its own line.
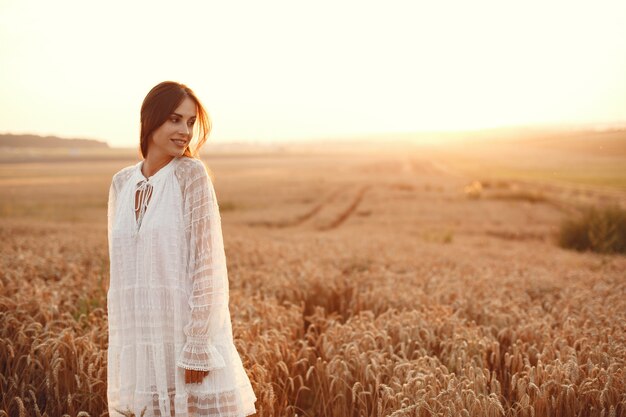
point(609, 174)
point(593, 159)
point(362, 283)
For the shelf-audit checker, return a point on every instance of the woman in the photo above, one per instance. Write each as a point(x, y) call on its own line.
point(171, 350)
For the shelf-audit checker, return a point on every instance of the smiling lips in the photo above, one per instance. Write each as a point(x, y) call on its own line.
point(179, 142)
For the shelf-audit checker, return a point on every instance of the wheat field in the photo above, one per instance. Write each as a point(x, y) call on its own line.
point(363, 282)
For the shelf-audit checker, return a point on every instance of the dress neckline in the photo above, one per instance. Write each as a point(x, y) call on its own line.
point(160, 173)
point(144, 186)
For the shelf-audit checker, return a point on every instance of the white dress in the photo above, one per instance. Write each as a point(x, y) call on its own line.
point(168, 298)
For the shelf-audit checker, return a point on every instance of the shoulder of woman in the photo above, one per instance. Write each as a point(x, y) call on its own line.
point(190, 162)
point(190, 169)
point(122, 175)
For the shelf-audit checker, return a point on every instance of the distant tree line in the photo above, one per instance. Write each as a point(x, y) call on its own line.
point(35, 141)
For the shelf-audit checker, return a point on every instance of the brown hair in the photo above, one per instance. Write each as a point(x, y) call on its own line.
point(159, 104)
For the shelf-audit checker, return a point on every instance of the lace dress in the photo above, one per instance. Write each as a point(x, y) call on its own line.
point(168, 297)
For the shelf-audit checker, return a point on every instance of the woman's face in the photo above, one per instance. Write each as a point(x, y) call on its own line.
point(173, 136)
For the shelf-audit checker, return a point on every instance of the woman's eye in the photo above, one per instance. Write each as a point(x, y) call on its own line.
point(174, 120)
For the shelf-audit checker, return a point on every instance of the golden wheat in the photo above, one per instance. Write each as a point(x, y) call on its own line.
point(364, 319)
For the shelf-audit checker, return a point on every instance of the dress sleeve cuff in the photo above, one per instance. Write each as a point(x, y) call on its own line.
point(200, 357)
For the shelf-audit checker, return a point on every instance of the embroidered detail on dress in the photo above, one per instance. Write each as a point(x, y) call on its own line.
point(144, 192)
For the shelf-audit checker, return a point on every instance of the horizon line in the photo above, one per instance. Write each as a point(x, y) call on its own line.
point(570, 126)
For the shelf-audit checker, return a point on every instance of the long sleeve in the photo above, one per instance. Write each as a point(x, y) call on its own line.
point(206, 271)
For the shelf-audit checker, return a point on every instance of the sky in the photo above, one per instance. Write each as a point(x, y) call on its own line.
point(275, 71)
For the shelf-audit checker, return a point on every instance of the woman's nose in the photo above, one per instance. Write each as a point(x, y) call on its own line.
point(185, 130)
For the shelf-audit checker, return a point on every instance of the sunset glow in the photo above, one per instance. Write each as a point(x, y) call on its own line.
point(284, 70)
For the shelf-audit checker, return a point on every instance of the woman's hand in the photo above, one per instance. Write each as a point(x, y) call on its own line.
point(194, 377)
